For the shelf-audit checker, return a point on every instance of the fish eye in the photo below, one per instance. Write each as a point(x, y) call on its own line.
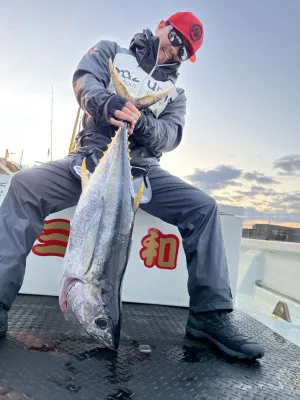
point(101, 323)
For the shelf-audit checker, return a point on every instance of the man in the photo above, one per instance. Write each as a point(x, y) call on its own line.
point(150, 64)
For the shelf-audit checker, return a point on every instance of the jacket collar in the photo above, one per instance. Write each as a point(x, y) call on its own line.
point(145, 47)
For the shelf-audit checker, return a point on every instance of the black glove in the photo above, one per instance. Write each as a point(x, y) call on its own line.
point(114, 103)
point(140, 122)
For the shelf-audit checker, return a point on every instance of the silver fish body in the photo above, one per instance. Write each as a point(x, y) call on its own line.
point(99, 245)
point(100, 236)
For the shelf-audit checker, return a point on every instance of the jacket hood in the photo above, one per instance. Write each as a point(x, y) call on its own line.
point(145, 46)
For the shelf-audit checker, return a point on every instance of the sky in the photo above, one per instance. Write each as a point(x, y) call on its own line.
point(241, 142)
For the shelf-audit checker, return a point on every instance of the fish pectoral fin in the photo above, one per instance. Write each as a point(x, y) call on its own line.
point(149, 99)
point(140, 103)
point(119, 86)
point(84, 175)
point(138, 197)
point(67, 283)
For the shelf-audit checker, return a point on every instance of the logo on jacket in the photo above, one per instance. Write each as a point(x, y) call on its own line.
point(196, 32)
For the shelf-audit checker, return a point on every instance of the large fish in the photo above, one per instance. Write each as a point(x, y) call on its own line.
point(100, 236)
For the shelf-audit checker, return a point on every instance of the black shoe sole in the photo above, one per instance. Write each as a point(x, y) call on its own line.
point(195, 334)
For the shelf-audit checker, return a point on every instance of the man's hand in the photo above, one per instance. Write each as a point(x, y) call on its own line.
point(128, 113)
point(118, 110)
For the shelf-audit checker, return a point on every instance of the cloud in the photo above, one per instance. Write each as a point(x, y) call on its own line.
point(225, 175)
point(261, 202)
point(269, 205)
point(291, 201)
point(237, 197)
point(281, 208)
point(259, 178)
point(252, 213)
point(218, 178)
point(292, 197)
point(257, 190)
point(288, 165)
point(295, 206)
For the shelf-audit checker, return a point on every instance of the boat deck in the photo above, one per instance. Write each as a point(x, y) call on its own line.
point(46, 357)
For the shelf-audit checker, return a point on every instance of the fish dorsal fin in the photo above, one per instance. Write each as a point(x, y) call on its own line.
point(84, 175)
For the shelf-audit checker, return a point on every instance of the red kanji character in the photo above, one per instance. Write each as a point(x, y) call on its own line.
point(54, 238)
point(159, 249)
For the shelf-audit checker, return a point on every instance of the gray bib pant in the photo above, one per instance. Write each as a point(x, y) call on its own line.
point(51, 187)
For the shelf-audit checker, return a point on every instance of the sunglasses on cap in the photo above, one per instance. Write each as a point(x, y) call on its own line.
point(176, 40)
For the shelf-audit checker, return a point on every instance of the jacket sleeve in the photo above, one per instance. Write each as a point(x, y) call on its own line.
point(163, 134)
point(91, 78)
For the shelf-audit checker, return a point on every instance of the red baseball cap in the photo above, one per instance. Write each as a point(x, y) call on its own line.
point(190, 27)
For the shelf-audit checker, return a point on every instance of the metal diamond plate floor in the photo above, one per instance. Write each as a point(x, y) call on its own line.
point(46, 357)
